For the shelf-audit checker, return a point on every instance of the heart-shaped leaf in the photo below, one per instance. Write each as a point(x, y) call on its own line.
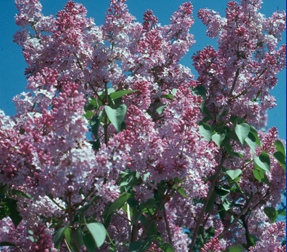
point(116, 115)
point(206, 131)
point(242, 131)
point(98, 232)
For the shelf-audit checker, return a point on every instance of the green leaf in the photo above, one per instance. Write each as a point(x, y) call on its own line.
point(167, 96)
point(251, 141)
point(13, 213)
point(237, 248)
point(222, 191)
point(152, 229)
point(236, 120)
point(136, 216)
point(252, 241)
point(233, 173)
point(96, 145)
point(206, 131)
point(118, 203)
point(160, 109)
point(59, 236)
point(135, 246)
point(281, 159)
point(272, 213)
point(117, 115)
point(69, 239)
point(282, 212)
point(89, 242)
point(88, 114)
point(242, 131)
point(228, 148)
point(205, 110)
point(228, 204)
point(95, 124)
point(260, 175)
point(218, 138)
point(2, 244)
point(19, 193)
point(98, 232)
point(254, 132)
point(182, 192)
point(263, 161)
point(121, 93)
point(200, 90)
point(210, 202)
point(167, 247)
point(280, 147)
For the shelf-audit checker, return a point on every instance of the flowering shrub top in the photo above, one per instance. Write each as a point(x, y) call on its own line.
point(115, 146)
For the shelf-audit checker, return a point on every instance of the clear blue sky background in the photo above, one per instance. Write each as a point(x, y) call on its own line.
point(13, 81)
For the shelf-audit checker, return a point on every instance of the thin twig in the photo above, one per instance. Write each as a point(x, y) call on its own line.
point(67, 245)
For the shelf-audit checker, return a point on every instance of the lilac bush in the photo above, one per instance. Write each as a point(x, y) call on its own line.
point(116, 147)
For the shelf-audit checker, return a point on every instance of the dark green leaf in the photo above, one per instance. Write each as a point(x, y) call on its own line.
point(117, 115)
point(89, 242)
point(254, 132)
point(19, 193)
point(206, 131)
point(135, 246)
point(96, 145)
point(88, 114)
point(222, 191)
point(136, 216)
point(118, 203)
point(13, 213)
point(152, 229)
point(228, 148)
point(233, 173)
point(200, 90)
point(280, 147)
point(133, 203)
point(2, 244)
point(121, 93)
point(281, 159)
point(237, 248)
point(236, 120)
point(260, 175)
point(242, 131)
point(167, 247)
point(205, 110)
point(272, 213)
point(251, 141)
point(210, 202)
point(263, 161)
point(59, 236)
point(95, 124)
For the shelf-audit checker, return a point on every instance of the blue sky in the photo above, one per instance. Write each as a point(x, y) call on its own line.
point(12, 67)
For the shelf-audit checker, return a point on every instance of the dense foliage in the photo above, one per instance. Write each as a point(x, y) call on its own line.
point(115, 146)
